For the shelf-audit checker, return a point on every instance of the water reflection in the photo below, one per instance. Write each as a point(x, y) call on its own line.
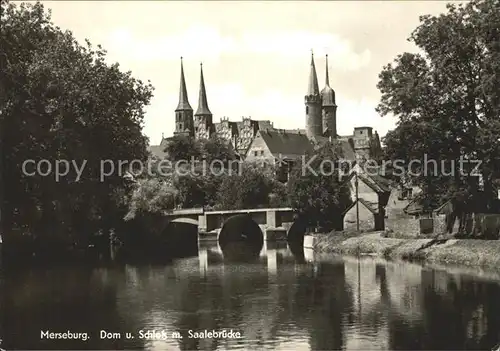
point(283, 298)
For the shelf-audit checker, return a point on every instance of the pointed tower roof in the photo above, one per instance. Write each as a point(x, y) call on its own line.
point(183, 96)
point(313, 87)
point(202, 99)
point(327, 94)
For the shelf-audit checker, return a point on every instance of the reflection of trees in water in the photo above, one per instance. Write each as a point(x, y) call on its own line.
point(75, 299)
point(452, 319)
point(319, 303)
point(424, 309)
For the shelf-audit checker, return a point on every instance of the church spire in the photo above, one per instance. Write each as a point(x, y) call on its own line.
point(313, 88)
point(183, 96)
point(327, 94)
point(202, 100)
point(327, 77)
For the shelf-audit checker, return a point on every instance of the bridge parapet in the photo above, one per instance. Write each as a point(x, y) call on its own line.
point(250, 210)
point(185, 211)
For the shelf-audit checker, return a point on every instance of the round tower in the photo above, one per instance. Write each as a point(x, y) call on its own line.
point(314, 124)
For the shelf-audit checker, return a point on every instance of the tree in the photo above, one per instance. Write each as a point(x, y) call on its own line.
point(216, 148)
point(183, 148)
point(151, 196)
point(448, 102)
point(248, 188)
point(320, 193)
point(62, 101)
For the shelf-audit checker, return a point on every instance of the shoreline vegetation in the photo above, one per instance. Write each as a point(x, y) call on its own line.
point(443, 250)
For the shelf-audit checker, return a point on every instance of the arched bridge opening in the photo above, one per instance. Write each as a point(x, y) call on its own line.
point(181, 237)
point(240, 238)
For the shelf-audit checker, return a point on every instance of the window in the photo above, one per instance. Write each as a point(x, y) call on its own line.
point(307, 110)
point(255, 153)
point(262, 152)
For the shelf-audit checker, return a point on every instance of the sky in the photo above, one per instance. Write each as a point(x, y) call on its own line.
point(256, 55)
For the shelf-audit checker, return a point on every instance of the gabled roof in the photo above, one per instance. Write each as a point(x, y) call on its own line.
point(376, 182)
point(348, 152)
point(265, 125)
point(286, 143)
point(416, 206)
point(370, 206)
point(296, 131)
point(373, 184)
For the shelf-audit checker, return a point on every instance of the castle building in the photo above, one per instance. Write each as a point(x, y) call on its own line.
point(252, 138)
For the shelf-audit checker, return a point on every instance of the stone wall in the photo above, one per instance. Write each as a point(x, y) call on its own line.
point(407, 226)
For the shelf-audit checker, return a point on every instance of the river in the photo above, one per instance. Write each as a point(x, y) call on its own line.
point(280, 301)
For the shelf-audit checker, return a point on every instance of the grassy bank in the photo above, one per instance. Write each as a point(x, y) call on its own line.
point(468, 252)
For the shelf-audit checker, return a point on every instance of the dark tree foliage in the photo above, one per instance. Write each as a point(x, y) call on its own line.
point(216, 148)
point(187, 148)
point(448, 103)
point(319, 191)
point(62, 101)
point(250, 187)
point(183, 148)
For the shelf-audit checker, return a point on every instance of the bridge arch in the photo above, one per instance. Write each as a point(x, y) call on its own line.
point(185, 220)
point(181, 236)
point(295, 235)
point(240, 238)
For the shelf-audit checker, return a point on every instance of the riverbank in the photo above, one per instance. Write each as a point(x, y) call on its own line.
point(463, 252)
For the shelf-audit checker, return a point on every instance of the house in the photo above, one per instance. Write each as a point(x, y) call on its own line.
point(370, 195)
point(285, 147)
point(278, 144)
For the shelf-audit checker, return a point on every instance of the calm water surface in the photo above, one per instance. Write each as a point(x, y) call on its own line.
point(282, 301)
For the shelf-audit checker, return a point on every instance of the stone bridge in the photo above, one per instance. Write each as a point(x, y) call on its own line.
point(275, 223)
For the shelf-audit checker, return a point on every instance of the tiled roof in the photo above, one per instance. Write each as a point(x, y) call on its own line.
point(370, 206)
point(376, 182)
point(286, 143)
point(348, 152)
point(265, 125)
point(296, 131)
point(416, 206)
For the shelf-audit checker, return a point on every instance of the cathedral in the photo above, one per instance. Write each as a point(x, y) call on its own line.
point(320, 125)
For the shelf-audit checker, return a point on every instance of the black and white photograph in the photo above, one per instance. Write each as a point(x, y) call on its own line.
point(250, 175)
